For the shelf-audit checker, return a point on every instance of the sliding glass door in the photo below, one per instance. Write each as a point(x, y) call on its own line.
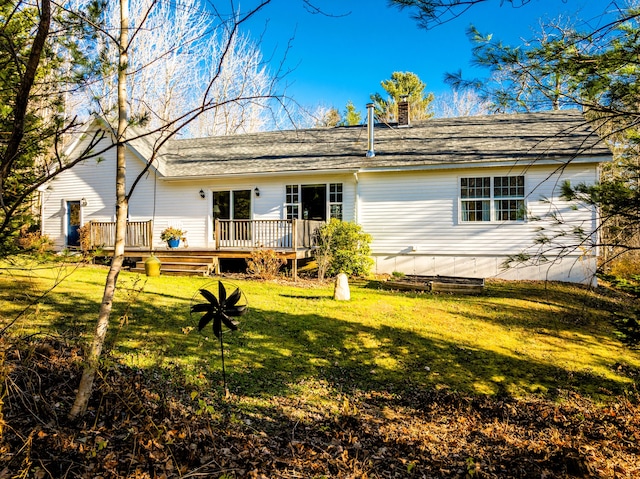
point(233, 205)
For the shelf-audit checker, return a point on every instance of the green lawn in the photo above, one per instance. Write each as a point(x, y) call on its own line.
point(516, 338)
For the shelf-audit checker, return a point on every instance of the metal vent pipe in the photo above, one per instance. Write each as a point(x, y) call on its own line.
point(370, 152)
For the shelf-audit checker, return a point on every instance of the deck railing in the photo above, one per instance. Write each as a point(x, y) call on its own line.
point(228, 234)
point(138, 234)
point(273, 234)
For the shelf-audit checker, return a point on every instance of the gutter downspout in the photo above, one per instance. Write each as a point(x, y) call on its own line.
point(356, 213)
point(370, 152)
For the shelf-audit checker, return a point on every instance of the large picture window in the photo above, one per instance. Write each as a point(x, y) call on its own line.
point(497, 198)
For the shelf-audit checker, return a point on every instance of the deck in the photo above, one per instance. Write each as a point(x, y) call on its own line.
point(290, 239)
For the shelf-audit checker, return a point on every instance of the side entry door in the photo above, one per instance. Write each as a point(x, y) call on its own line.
point(73, 224)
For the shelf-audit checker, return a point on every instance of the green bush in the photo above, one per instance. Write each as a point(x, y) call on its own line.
point(342, 247)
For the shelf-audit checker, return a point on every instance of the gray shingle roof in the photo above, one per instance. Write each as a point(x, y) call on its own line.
point(527, 137)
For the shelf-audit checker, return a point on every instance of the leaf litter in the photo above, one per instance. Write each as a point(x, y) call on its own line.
point(150, 424)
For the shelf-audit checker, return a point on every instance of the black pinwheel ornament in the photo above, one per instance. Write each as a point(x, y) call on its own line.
point(220, 309)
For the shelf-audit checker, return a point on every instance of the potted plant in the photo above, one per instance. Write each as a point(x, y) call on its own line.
point(172, 236)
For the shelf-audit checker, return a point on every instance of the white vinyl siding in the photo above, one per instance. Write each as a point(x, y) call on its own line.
point(417, 213)
point(169, 203)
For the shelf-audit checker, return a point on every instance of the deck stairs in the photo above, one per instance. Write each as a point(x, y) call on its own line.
point(182, 263)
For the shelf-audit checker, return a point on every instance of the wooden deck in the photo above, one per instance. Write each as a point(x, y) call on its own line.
point(233, 239)
point(203, 262)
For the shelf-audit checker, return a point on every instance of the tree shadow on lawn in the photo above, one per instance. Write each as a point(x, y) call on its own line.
point(276, 353)
point(560, 308)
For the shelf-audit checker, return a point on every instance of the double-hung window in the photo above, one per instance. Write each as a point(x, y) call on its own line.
point(335, 200)
point(487, 198)
point(292, 202)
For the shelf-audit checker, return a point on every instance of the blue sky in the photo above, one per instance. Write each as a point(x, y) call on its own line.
point(337, 59)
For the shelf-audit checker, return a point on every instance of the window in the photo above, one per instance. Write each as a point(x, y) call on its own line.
point(314, 201)
point(508, 192)
point(335, 200)
point(293, 202)
point(473, 192)
point(232, 205)
point(498, 198)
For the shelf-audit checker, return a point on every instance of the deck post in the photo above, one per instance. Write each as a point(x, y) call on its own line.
point(150, 234)
point(294, 245)
point(216, 233)
point(91, 235)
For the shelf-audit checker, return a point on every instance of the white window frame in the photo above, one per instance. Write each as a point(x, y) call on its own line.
point(491, 201)
point(336, 199)
point(292, 202)
point(293, 199)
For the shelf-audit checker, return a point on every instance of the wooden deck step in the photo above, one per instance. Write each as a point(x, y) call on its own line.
point(181, 265)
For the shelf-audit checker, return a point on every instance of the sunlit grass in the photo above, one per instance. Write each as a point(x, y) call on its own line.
point(516, 338)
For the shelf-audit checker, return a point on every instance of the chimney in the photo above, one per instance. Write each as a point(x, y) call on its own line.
point(403, 111)
point(370, 125)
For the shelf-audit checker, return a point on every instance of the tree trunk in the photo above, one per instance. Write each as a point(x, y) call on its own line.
point(93, 355)
point(23, 95)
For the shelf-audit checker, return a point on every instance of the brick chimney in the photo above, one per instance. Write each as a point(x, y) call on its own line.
point(403, 111)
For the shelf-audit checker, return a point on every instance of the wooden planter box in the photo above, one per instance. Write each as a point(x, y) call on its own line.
point(438, 284)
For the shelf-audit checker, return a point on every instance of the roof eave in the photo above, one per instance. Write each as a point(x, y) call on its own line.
point(347, 171)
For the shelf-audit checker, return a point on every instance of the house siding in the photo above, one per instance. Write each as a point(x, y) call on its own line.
point(406, 197)
point(168, 203)
point(415, 223)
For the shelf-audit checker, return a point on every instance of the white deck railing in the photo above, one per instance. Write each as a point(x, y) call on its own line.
point(228, 234)
point(103, 234)
point(272, 234)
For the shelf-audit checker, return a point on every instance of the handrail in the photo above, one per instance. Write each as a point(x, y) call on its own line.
point(273, 234)
point(228, 234)
point(139, 234)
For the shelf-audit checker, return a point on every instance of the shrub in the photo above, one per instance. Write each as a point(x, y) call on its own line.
point(264, 264)
point(625, 266)
point(342, 247)
point(34, 241)
point(85, 237)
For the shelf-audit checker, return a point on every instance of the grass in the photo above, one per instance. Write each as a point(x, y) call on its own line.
point(519, 338)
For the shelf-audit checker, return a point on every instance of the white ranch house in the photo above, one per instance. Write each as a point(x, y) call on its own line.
point(450, 197)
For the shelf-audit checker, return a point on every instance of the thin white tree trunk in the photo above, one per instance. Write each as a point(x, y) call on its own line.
point(93, 356)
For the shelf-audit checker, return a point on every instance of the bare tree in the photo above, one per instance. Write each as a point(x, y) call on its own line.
point(176, 49)
point(158, 136)
point(458, 103)
point(242, 74)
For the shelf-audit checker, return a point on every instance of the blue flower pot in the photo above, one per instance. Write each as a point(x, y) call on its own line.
point(173, 243)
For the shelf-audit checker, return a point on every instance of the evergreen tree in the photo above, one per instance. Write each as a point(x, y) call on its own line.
point(351, 115)
point(430, 13)
point(40, 61)
point(399, 86)
point(522, 77)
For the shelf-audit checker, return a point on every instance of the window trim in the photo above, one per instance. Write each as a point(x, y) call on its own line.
point(339, 193)
point(298, 194)
point(492, 199)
